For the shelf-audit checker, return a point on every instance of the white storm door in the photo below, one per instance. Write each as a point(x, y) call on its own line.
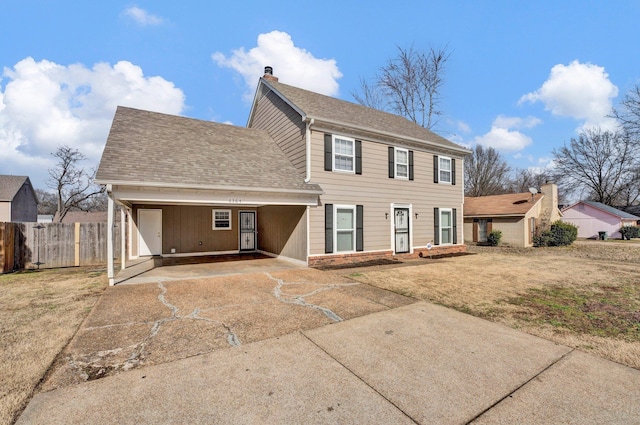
point(401, 225)
point(149, 232)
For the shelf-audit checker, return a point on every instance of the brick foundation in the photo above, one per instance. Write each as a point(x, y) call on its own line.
point(361, 257)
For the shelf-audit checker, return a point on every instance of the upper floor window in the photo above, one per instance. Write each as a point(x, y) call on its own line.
point(402, 163)
point(445, 169)
point(343, 154)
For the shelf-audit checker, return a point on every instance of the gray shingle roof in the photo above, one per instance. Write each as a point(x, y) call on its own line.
point(10, 185)
point(611, 210)
point(151, 147)
point(331, 109)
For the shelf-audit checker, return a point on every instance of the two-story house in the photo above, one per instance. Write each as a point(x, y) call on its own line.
point(312, 178)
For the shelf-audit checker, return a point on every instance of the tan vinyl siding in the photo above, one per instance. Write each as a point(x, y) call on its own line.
point(185, 226)
point(5, 211)
point(284, 125)
point(376, 192)
point(282, 230)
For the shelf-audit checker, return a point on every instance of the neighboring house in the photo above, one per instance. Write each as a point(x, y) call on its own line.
point(592, 217)
point(313, 178)
point(633, 210)
point(18, 200)
point(82, 217)
point(516, 215)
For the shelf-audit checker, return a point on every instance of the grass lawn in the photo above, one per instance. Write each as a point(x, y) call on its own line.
point(40, 312)
point(585, 296)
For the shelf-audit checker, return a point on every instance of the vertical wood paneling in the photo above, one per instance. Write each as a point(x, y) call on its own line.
point(282, 230)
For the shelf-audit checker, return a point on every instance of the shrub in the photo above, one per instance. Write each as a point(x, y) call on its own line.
point(559, 234)
point(630, 232)
point(493, 239)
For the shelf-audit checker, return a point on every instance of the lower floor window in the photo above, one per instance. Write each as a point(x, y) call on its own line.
point(446, 226)
point(345, 228)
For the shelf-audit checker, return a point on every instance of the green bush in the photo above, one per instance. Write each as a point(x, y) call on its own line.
point(630, 232)
point(559, 234)
point(493, 239)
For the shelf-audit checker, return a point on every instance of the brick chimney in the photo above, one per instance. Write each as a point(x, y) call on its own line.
point(268, 74)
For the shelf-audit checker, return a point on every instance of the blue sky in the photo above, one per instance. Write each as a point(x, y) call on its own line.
point(523, 77)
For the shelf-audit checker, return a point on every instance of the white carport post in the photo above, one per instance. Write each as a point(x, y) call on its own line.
point(123, 236)
point(110, 271)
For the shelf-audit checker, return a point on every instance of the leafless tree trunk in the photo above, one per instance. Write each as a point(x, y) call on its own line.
point(408, 85)
point(73, 185)
point(522, 180)
point(485, 172)
point(599, 164)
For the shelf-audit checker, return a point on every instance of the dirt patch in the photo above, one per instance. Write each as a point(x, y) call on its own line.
point(39, 313)
point(137, 325)
point(370, 263)
point(584, 296)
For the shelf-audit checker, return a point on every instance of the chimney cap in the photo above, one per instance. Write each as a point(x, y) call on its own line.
point(268, 74)
point(268, 70)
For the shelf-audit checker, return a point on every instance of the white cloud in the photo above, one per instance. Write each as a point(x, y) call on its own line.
point(463, 127)
point(502, 137)
point(292, 65)
point(580, 91)
point(45, 105)
point(142, 17)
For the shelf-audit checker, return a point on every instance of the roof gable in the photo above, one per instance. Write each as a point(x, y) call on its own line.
point(11, 185)
point(511, 204)
point(340, 112)
point(146, 147)
point(607, 209)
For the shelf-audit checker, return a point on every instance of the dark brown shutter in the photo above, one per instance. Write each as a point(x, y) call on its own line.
point(410, 165)
point(328, 152)
point(358, 157)
point(475, 229)
point(436, 170)
point(328, 228)
point(454, 217)
point(453, 171)
point(359, 228)
point(489, 225)
point(392, 165)
point(436, 226)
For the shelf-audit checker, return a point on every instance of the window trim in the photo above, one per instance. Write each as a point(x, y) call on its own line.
point(440, 170)
point(451, 226)
point(214, 220)
point(353, 229)
point(334, 137)
point(396, 163)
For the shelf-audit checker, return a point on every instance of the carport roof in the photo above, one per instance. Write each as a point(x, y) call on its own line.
point(154, 149)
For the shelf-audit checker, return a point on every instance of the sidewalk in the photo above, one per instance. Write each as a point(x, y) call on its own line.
point(416, 364)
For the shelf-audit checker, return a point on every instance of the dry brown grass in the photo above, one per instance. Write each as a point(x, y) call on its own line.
point(585, 296)
point(39, 313)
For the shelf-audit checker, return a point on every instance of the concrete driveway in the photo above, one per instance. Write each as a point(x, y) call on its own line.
point(181, 311)
point(275, 346)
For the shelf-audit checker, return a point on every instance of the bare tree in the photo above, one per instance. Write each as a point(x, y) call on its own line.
point(47, 202)
point(599, 164)
point(408, 85)
point(73, 185)
point(485, 172)
point(628, 114)
point(523, 179)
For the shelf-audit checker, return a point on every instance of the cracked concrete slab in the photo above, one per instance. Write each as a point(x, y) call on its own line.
point(282, 380)
point(435, 364)
point(134, 326)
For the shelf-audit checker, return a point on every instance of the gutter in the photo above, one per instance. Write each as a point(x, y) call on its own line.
point(205, 187)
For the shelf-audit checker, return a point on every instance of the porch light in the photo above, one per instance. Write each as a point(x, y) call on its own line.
point(386, 216)
point(416, 214)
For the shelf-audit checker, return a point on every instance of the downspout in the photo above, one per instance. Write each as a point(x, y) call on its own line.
point(307, 136)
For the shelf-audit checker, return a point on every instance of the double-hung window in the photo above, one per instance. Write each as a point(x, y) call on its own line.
point(221, 219)
point(343, 154)
point(402, 163)
point(446, 226)
point(445, 169)
point(345, 228)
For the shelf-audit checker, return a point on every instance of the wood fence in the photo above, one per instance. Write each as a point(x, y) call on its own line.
point(51, 245)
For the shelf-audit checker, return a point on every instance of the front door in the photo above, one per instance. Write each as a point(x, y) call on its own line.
point(150, 232)
point(247, 231)
point(482, 230)
point(401, 225)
